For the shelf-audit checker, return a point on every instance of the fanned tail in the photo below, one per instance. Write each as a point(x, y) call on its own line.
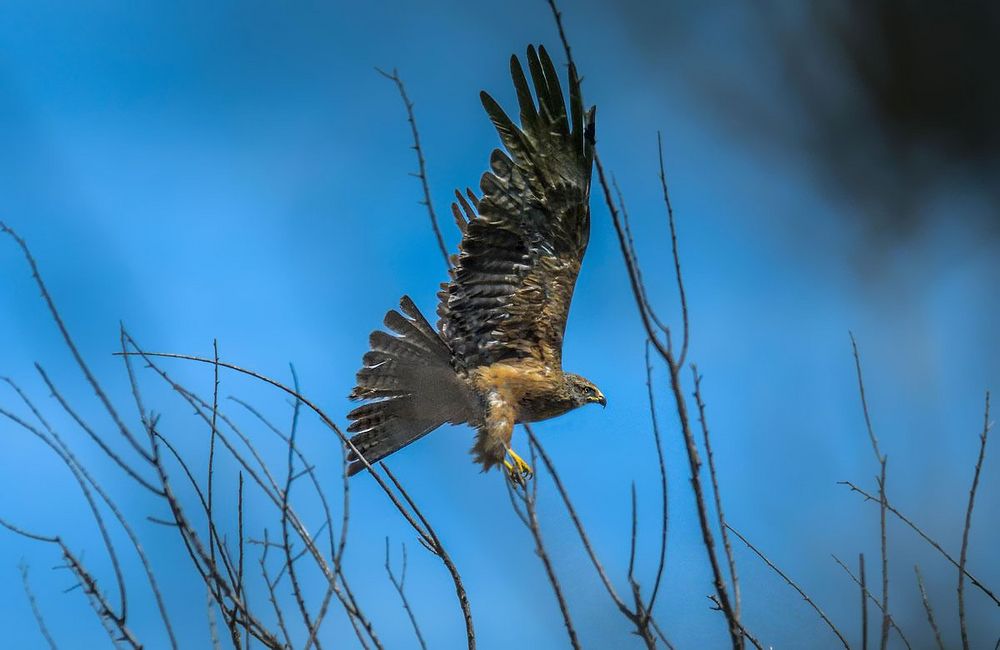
point(413, 387)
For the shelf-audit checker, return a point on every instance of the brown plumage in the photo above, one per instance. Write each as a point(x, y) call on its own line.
point(495, 358)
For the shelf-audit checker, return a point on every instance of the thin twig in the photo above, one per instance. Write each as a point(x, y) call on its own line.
point(67, 456)
point(240, 583)
point(881, 459)
point(792, 584)
point(746, 633)
point(726, 546)
point(866, 594)
point(928, 609)
point(927, 538)
point(119, 618)
point(110, 453)
point(633, 536)
point(664, 501)
point(864, 399)
point(422, 167)
point(400, 585)
point(584, 538)
point(557, 15)
point(529, 500)
point(279, 614)
point(285, 494)
point(864, 601)
point(213, 630)
point(680, 278)
point(35, 611)
point(884, 641)
point(439, 550)
point(627, 223)
point(968, 523)
point(211, 444)
point(101, 395)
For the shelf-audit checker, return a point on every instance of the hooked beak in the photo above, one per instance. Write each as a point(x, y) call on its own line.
point(602, 400)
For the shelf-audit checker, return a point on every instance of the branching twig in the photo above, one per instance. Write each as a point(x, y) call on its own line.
point(792, 584)
point(400, 585)
point(927, 538)
point(881, 458)
point(101, 395)
point(865, 595)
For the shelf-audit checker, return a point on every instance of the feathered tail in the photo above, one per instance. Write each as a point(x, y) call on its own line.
point(413, 386)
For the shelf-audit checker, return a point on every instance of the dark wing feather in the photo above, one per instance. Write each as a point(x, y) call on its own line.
point(521, 250)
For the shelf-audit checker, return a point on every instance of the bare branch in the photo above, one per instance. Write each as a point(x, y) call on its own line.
point(632, 537)
point(927, 608)
point(400, 585)
point(126, 433)
point(865, 595)
point(727, 547)
point(69, 458)
point(529, 517)
point(92, 503)
point(35, 611)
point(110, 453)
point(285, 493)
point(968, 523)
point(792, 584)
point(927, 538)
point(864, 400)
point(622, 607)
point(439, 550)
point(211, 444)
point(557, 15)
point(271, 595)
point(213, 628)
point(881, 459)
point(422, 167)
point(677, 274)
point(864, 601)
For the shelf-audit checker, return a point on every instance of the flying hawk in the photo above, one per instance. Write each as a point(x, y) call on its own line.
point(495, 358)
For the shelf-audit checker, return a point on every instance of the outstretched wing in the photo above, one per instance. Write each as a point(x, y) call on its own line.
point(524, 240)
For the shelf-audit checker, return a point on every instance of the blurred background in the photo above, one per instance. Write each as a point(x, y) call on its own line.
point(238, 171)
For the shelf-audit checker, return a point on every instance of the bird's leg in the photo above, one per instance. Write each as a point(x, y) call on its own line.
point(518, 471)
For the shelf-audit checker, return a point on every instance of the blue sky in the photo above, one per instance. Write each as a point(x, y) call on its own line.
point(239, 172)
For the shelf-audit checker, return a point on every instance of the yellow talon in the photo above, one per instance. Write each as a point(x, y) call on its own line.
point(518, 471)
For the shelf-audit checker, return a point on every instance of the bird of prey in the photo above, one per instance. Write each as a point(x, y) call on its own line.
point(495, 357)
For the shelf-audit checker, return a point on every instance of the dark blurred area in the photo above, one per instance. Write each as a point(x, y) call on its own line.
point(892, 105)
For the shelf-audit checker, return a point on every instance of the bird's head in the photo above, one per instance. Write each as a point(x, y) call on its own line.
point(584, 391)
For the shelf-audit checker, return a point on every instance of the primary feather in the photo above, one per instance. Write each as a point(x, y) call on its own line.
point(510, 292)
